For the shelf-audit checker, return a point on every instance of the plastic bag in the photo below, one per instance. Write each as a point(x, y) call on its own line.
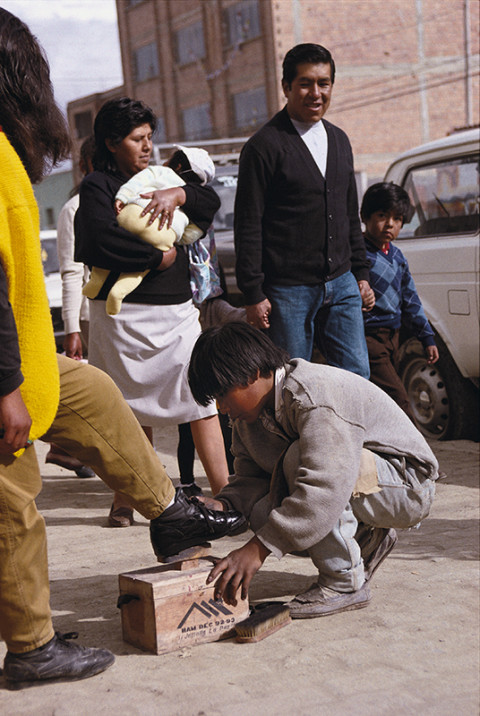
point(204, 269)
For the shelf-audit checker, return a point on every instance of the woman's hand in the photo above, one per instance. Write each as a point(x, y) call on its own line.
point(237, 570)
point(72, 345)
point(15, 423)
point(162, 205)
point(168, 259)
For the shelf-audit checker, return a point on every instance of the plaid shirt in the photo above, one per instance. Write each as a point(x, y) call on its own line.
point(397, 300)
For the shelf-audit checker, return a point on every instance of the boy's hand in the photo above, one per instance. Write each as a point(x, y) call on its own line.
point(237, 570)
point(367, 294)
point(211, 503)
point(432, 354)
point(118, 206)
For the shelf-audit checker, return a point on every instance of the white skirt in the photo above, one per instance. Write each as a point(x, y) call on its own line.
point(146, 350)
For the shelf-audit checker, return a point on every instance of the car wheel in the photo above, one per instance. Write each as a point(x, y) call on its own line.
point(441, 399)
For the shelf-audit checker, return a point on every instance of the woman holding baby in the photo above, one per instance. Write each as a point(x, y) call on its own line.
point(146, 347)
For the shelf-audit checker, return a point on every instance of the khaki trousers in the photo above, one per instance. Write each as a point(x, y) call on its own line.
point(95, 425)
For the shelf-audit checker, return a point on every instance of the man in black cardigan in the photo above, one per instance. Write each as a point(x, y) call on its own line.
point(301, 261)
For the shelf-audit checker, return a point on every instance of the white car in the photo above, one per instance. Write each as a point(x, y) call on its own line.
point(441, 244)
point(53, 281)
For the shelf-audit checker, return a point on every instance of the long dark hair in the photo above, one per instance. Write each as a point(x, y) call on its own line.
point(114, 121)
point(29, 115)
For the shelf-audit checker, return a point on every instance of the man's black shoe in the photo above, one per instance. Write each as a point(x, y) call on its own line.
point(188, 522)
point(58, 660)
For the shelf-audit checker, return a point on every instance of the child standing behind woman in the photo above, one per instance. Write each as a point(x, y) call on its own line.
point(385, 208)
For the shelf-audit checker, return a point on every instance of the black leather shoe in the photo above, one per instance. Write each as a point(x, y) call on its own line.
point(58, 660)
point(188, 523)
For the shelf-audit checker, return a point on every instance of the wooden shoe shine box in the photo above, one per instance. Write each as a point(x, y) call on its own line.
point(170, 606)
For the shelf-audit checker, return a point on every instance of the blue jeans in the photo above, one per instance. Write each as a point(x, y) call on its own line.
point(330, 314)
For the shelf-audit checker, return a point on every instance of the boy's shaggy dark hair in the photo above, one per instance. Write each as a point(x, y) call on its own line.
point(307, 52)
point(386, 196)
point(229, 356)
point(114, 121)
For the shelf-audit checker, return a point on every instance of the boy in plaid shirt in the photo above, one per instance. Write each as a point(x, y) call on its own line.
point(385, 208)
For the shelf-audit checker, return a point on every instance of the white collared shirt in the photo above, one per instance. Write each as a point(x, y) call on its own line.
point(315, 137)
point(271, 420)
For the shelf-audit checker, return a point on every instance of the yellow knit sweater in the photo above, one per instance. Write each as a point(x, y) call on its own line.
point(21, 260)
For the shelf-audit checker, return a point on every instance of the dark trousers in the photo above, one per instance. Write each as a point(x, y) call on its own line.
point(383, 356)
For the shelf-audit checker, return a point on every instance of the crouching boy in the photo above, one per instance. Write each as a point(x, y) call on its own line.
point(325, 461)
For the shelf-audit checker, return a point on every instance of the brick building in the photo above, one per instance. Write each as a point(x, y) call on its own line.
point(81, 114)
point(407, 70)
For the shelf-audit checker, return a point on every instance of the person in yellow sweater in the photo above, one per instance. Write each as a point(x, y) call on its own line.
point(43, 394)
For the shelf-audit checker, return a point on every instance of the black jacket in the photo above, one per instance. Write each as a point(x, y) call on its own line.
point(101, 242)
point(292, 226)
point(11, 376)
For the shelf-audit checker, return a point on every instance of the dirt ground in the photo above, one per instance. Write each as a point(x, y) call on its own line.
point(414, 650)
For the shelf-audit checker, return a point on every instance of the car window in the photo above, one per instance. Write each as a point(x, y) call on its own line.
point(445, 196)
point(49, 256)
point(225, 185)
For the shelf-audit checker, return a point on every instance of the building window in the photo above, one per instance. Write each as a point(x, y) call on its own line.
point(159, 136)
point(146, 62)
point(83, 124)
point(242, 21)
point(197, 123)
point(250, 108)
point(190, 43)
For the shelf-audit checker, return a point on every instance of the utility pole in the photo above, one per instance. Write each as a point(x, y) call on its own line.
point(468, 75)
point(425, 121)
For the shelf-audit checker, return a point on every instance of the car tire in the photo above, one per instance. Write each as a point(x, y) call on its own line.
point(444, 403)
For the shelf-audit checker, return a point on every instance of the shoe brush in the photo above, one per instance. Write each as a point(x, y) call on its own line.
point(265, 618)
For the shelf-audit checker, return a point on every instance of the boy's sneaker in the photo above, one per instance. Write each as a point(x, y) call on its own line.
point(58, 660)
point(375, 543)
point(188, 523)
point(320, 601)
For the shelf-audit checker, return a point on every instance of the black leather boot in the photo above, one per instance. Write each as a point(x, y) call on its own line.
point(188, 523)
point(58, 660)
